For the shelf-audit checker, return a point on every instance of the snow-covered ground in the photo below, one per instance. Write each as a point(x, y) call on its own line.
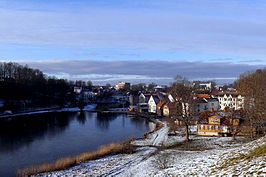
point(203, 156)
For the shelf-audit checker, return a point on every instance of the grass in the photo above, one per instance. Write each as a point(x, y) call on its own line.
point(257, 152)
point(66, 162)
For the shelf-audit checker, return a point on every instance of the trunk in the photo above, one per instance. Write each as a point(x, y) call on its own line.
point(187, 133)
point(233, 136)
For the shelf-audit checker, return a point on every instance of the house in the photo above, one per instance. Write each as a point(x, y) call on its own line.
point(159, 108)
point(144, 97)
point(231, 100)
point(204, 104)
point(133, 99)
point(169, 109)
point(205, 85)
point(153, 101)
point(142, 107)
point(217, 123)
point(122, 85)
point(77, 90)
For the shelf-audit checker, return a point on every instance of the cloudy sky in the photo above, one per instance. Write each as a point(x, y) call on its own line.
point(135, 40)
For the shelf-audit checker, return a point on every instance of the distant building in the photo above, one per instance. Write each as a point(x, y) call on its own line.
point(122, 85)
point(205, 85)
point(77, 90)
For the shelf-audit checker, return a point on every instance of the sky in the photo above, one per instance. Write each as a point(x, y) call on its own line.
point(106, 41)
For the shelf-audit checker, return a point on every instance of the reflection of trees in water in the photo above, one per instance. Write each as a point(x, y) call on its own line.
point(103, 120)
point(21, 131)
point(81, 117)
point(139, 122)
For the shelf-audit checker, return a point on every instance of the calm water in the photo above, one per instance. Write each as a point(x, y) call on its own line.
point(45, 137)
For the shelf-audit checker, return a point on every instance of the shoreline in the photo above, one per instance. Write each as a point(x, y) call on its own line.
point(48, 110)
point(113, 148)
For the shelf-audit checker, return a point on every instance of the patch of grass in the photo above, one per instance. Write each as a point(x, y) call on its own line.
point(257, 152)
point(66, 162)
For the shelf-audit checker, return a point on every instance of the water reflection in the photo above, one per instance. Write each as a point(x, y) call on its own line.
point(81, 117)
point(103, 120)
point(45, 137)
point(20, 131)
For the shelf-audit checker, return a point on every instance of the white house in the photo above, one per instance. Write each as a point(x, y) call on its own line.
point(204, 104)
point(144, 98)
point(153, 101)
point(231, 100)
point(205, 85)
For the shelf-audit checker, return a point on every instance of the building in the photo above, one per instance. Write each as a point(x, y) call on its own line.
point(203, 104)
point(122, 85)
point(77, 90)
point(231, 100)
point(169, 109)
point(217, 123)
point(153, 101)
point(205, 85)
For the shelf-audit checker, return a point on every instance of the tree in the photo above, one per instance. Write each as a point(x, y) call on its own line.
point(251, 85)
point(151, 87)
point(89, 85)
point(184, 112)
point(137, 87)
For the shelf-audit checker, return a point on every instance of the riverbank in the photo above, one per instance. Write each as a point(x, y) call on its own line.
point(50, 109)
point(66, 162)
point(203, 156)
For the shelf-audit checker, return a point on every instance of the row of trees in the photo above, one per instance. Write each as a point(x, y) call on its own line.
point(252, 86)
point(21, 86)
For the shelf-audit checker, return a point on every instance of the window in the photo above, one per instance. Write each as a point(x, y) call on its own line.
point(202, 127)
point(216, 127)
point(209, 127)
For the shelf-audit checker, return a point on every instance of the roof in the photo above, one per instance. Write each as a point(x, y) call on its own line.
point(206, 100)
point(160, 104)
point(224, 117)
point(203, 95)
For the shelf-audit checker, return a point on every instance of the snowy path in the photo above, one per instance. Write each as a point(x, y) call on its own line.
point(160, 136)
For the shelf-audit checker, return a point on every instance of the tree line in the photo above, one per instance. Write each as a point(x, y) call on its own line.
point(21, 87)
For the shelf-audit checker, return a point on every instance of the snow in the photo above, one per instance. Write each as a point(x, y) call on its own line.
point(210, 154)
point(155, 139)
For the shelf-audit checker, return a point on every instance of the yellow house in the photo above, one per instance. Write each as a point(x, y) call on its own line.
point(213, 124)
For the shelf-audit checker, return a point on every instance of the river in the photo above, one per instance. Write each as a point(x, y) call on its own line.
point(39, 138)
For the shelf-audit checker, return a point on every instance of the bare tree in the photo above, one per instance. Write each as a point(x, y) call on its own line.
point(184, 112)
point(252, 86)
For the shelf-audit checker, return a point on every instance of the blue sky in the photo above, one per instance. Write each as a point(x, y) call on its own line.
point(48, 34)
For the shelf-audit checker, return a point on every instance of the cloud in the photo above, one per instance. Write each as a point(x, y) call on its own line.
point(164, 25)
point(145, 70)
point(251, 61)
point(222, 59)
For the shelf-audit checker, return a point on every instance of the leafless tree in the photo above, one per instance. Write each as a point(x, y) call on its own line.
point(252, 86)
point(185, 108)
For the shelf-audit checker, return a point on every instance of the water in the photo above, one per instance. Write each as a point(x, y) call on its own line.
point(45, 137)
